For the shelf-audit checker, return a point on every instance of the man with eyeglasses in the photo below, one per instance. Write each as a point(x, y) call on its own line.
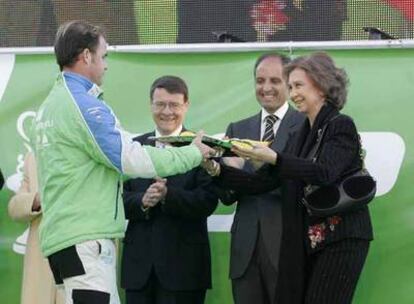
point(166, 256)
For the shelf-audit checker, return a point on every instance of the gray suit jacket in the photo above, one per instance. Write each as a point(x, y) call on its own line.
point(263, 210)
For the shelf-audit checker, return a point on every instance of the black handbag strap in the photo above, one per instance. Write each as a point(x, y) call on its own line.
point(314, 152)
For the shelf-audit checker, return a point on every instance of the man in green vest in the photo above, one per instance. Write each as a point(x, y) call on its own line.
point(83, 154)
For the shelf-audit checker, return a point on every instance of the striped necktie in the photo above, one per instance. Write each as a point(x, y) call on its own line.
point(269, 134)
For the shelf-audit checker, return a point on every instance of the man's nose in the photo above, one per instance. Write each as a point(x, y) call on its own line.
point(167, 109)
point(267, 86)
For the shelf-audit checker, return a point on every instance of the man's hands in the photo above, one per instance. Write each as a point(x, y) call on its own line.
point(205, 150)
point(211, 166)
point(155, 193)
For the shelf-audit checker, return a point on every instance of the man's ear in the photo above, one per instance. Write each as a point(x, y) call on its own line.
point(85, 56)
point(187, 104)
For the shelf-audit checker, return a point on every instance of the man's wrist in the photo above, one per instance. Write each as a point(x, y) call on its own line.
point(214, 169)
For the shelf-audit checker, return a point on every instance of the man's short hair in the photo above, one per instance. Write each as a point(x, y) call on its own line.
point(72, 38)
point(172, 84)
point(283, 58)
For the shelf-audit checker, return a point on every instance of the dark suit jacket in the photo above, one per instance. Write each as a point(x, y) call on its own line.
point(171, 237)
point(262, 210)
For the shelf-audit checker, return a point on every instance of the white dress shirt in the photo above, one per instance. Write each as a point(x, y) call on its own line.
point(175, 133)
point(280, 113)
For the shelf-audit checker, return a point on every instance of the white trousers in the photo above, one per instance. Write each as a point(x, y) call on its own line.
point(98, 258)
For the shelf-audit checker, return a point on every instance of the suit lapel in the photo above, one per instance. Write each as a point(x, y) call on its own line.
point(323, 117)
point(254, 126)
point(252, 132)
point(283, 132)
point(145, 139)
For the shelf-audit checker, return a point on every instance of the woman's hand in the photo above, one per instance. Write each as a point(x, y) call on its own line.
point(256, 153)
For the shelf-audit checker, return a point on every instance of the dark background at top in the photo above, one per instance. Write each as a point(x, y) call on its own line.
point(34, 22)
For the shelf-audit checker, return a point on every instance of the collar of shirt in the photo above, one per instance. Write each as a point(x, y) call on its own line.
point(158, 134)
point(90, 87)
point(280, 113)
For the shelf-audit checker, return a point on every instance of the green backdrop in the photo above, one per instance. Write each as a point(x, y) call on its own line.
point(221, 91)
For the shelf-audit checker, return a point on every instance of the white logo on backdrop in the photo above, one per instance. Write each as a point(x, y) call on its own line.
point(13, 182)
point(384, 156)
point(6, 68)
point(25, 119)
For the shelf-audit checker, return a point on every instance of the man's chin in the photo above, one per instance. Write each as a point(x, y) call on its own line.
point(166, 130)
point(269, 106)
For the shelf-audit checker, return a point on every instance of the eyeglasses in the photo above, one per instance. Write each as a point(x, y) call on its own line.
point(161, 105)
